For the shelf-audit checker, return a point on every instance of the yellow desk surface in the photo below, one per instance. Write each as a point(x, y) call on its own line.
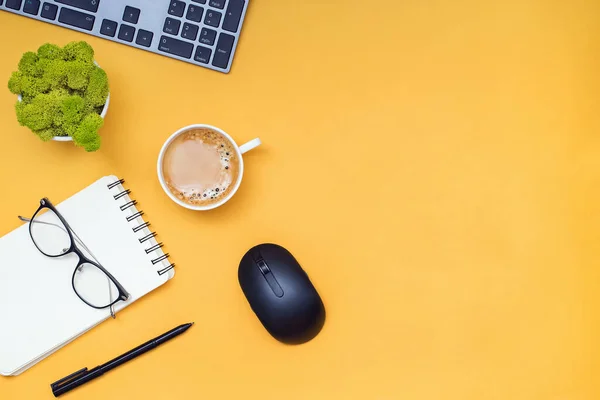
point(433, 165)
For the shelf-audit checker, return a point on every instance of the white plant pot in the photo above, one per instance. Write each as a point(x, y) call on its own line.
point(69, 138)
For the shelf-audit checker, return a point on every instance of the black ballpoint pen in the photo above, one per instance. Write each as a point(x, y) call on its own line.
point(82, 376)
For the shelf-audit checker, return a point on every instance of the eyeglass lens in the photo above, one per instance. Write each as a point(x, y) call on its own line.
point(49, 233)
point(94, 286)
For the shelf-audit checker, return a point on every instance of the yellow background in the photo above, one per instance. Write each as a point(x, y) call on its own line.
point(433, 165)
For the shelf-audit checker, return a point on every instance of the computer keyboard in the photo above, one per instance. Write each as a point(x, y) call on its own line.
point(200, 32)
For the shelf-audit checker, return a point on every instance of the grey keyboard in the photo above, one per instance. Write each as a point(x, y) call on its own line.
point(200, 32)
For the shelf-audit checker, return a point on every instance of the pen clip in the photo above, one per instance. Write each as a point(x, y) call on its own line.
point(69, 378)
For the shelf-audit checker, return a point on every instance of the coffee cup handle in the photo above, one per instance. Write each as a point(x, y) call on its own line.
point(250, 145)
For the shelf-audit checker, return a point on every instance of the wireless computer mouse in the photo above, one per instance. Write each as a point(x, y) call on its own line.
point(281, 294)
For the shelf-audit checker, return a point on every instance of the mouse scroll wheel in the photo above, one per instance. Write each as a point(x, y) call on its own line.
point(268, 275)
point(262, 266)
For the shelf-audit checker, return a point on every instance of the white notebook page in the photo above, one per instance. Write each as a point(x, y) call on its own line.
point(39, 311)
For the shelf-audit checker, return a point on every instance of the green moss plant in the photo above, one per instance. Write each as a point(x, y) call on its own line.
point(62, 93)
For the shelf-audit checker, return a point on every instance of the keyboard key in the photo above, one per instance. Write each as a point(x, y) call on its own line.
point(202, 54)
point(144, 38)
point(49, 11)
point(194, 13)
point(88, 5)
point(131, 14)
point(199, 1)
point(76, 19)
point(217, 3)
point(14, 4)
point(223, 50)
point(233, 15)
point(177, 8)
point(108, 28)
point(208, 36)
point(212, 18)
point(126, 33)
point(176, 47)
point(171, 26)
point(189, 31)
point(31, 7)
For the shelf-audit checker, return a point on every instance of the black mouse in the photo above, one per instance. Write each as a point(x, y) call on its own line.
point(281, 294)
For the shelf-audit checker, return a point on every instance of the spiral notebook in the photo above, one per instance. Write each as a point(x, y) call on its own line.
point(39, 311)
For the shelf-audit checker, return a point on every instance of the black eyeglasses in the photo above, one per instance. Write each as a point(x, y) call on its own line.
point(53, 237)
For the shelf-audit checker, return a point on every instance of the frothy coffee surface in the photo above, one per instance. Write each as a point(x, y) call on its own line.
point(200, 167)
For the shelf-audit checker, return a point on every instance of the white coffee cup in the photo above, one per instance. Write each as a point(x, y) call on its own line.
point(238, 149)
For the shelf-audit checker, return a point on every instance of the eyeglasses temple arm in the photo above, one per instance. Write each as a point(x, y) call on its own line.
point(77, 239)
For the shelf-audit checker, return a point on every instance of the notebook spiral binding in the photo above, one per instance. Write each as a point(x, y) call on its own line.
point(141, 227)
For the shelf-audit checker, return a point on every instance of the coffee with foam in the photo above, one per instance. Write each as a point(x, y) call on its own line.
point(200, 167)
